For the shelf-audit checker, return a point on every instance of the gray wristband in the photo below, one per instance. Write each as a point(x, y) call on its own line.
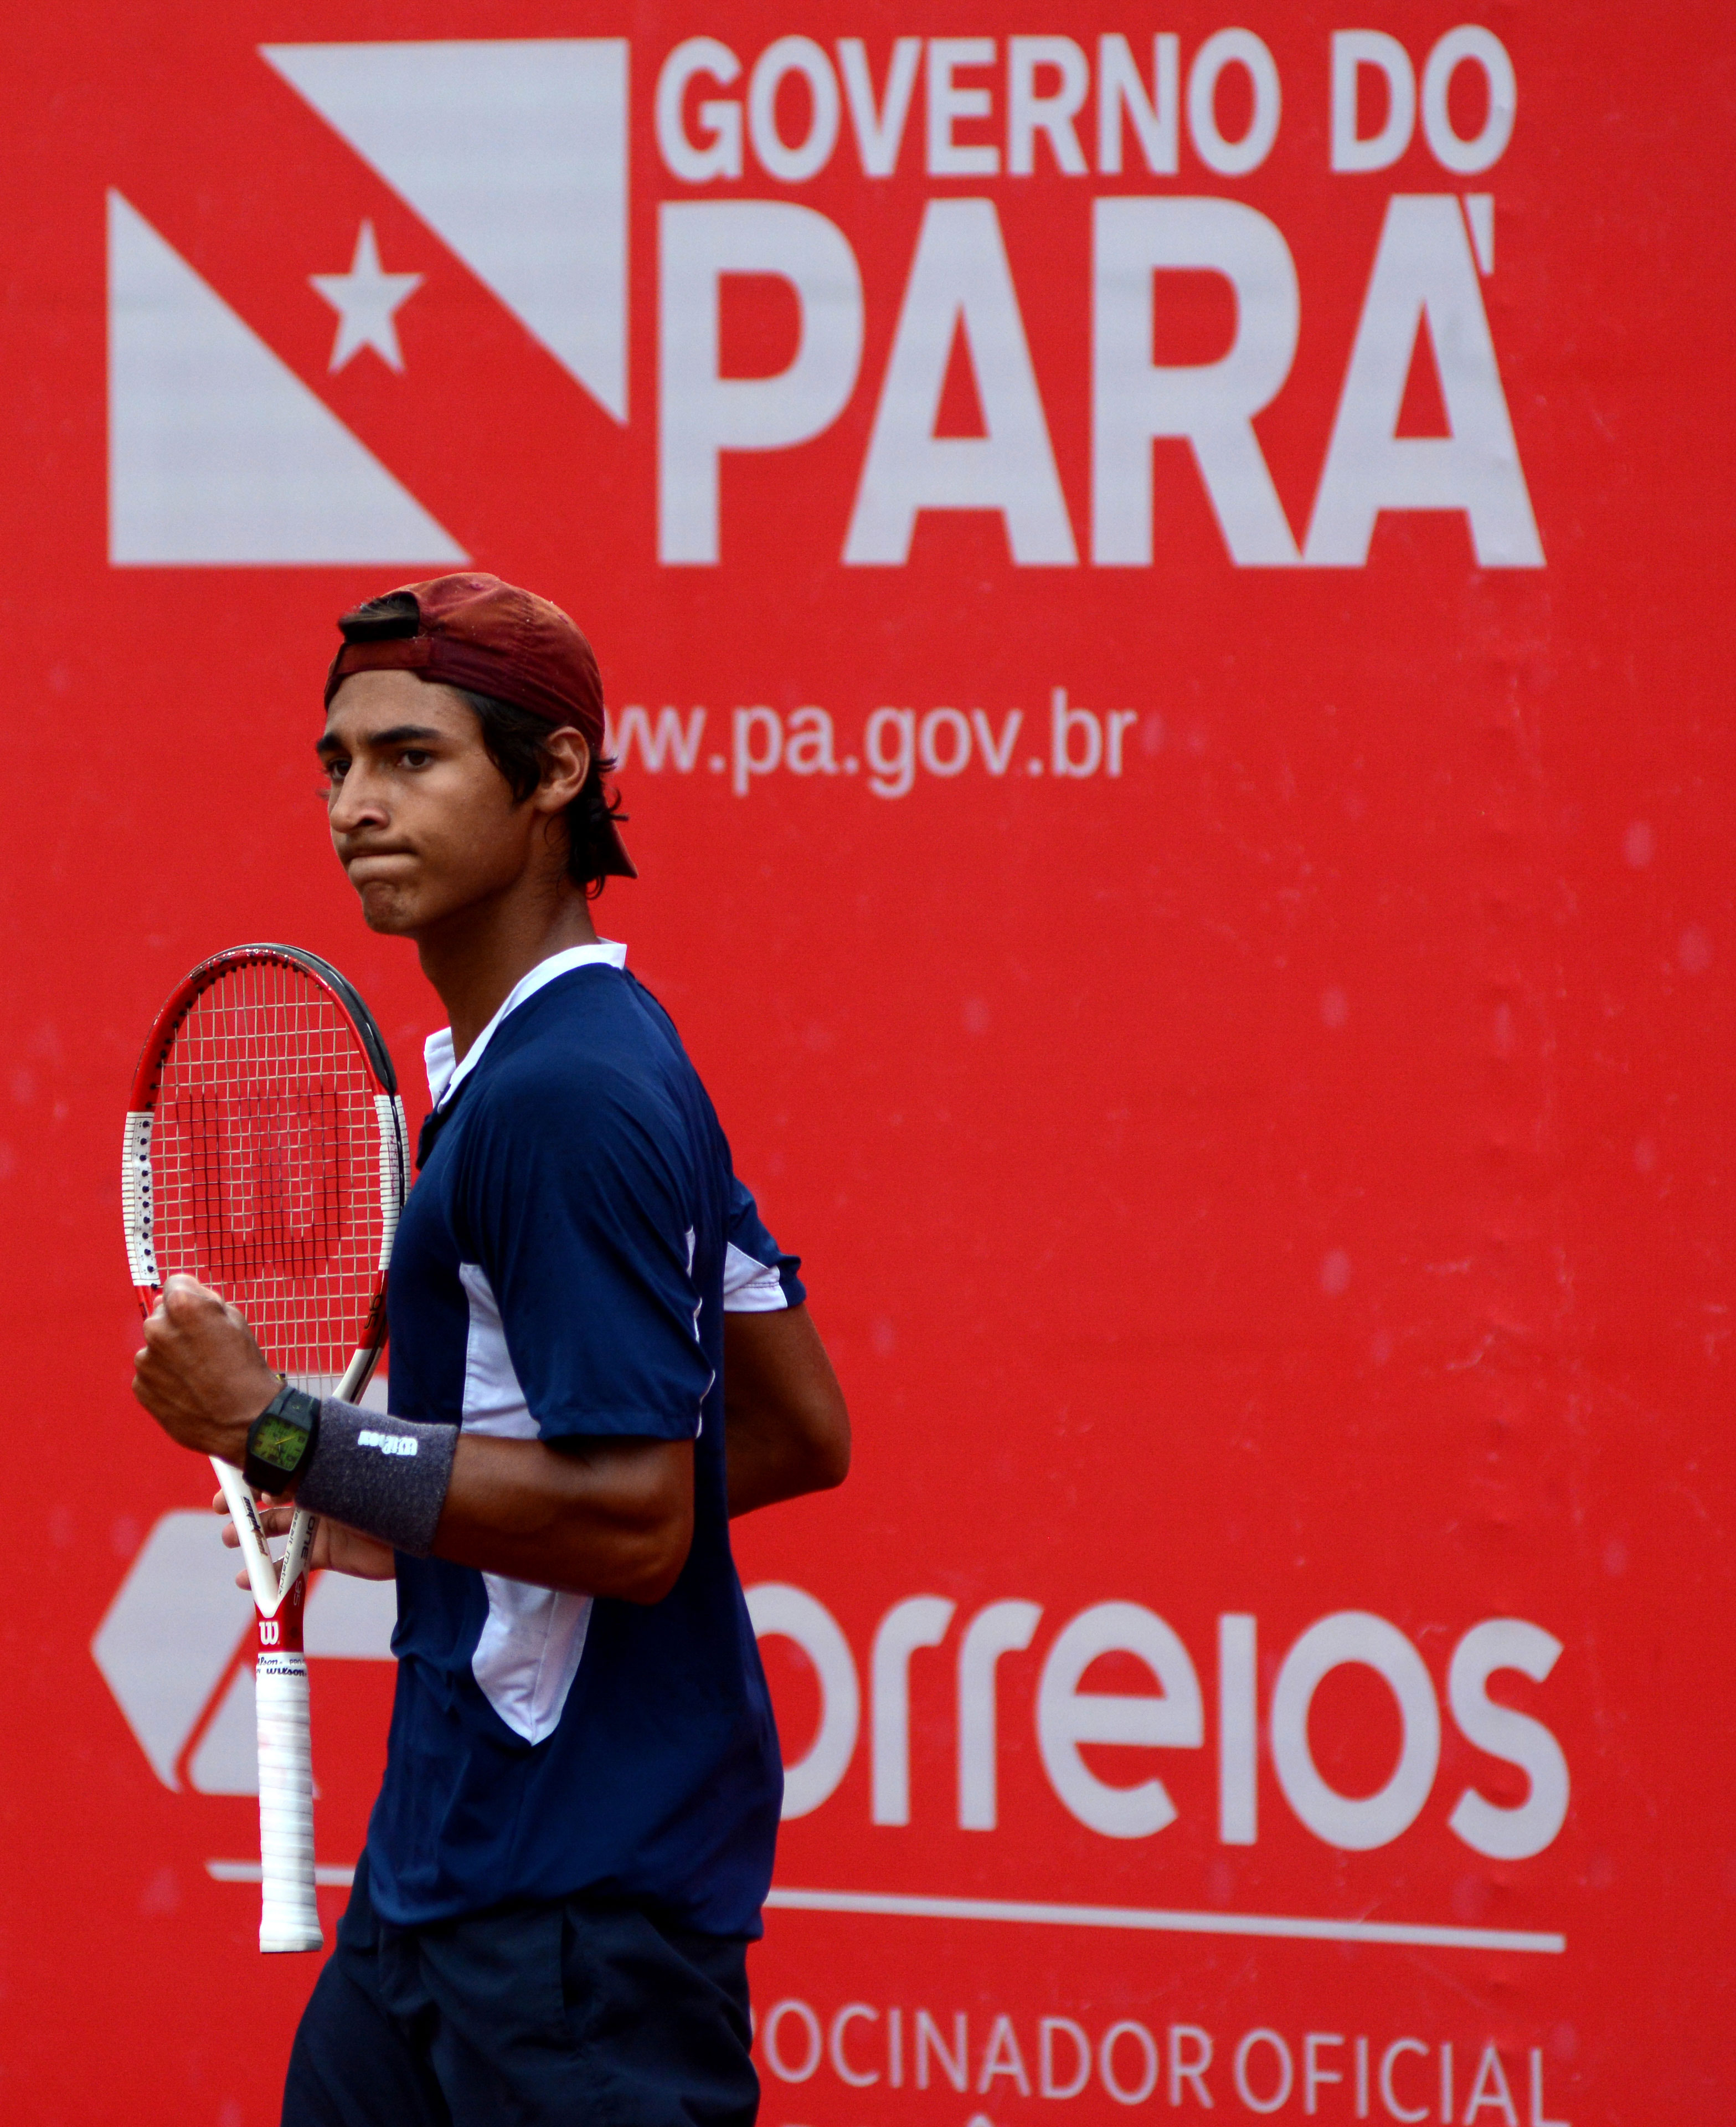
point(385, 1476)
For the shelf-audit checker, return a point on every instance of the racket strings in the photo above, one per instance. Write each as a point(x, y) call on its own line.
point(266, 1164)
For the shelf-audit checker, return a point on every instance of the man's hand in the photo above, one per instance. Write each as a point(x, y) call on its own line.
point(342, 1550)
point(200, 1375)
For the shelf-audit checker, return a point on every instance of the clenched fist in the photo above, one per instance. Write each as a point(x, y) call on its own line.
point(200, 1375)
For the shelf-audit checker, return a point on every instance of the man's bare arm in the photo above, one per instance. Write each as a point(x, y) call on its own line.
point(607, 1517)
point(786, 1429)
point(612, 1518)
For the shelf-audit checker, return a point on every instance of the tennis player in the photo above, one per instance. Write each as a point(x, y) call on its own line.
point(598, 1355)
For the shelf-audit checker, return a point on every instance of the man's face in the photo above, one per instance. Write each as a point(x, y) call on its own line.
point(422, 820)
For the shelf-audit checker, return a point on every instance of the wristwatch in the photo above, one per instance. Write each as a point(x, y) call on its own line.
point(280, 1441)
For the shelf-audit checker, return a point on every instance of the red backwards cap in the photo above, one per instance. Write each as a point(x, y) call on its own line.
point(477, 632)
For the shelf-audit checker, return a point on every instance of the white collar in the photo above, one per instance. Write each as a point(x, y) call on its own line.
point(444, 1076)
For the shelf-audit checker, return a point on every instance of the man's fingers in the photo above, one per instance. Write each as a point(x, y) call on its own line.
point(182, 1303)
point(185, 1299)
point(275, 1521)
point(180, 1282)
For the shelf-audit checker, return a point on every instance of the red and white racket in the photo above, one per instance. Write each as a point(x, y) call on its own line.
point(265, 1155)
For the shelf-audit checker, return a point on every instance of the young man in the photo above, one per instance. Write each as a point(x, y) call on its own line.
point(575, 1833)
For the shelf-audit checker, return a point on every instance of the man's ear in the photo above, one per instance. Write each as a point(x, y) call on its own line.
point(569, 762)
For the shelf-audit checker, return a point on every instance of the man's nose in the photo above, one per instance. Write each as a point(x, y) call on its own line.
point(358, 801)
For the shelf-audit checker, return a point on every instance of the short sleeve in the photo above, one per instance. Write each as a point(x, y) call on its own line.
point(578, 1202)
point(758, 1277)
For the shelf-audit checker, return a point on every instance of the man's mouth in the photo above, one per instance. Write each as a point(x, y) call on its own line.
point(364, 865)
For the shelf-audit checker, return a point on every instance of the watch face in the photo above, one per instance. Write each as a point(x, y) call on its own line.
point(280, 1441)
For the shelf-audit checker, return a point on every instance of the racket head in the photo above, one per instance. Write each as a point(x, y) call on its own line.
point(265, 1154)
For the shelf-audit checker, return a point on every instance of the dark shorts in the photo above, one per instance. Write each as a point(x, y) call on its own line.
point(586, 2011)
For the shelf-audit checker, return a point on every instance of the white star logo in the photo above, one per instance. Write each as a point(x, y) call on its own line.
point(365, 300)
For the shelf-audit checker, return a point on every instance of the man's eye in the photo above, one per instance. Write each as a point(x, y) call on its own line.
point(414, 756)
point(336, 770)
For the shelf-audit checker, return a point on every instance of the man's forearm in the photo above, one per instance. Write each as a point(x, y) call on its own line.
point(766, 1464)
point(785, 1429)
point(613, 1518)
point(597, 1518)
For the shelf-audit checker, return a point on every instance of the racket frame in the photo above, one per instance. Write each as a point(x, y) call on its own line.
point(289, 1919)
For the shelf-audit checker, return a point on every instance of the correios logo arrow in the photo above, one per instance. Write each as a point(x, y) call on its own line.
point(174, 1640)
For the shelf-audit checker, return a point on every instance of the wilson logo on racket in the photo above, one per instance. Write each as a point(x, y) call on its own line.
point(265, 1155)
point(276, 1187)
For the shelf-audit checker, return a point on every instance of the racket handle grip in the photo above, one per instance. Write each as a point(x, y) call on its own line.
point(289, 1917)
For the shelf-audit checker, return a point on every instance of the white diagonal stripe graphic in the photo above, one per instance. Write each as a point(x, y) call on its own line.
point(218, 453)
point(513, 151)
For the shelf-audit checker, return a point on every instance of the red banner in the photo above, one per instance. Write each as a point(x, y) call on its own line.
point(1161, 588)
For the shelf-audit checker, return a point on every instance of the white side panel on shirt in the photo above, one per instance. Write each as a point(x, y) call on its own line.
point(529, 1650)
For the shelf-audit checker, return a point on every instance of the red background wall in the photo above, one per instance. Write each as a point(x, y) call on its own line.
point(1290, 1178)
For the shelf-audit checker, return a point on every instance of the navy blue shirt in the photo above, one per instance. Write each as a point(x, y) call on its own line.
point(559, 1271)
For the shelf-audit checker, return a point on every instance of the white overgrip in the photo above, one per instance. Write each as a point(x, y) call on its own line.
point(289, 1917)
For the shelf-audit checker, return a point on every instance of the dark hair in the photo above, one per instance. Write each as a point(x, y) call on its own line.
point(517, 740)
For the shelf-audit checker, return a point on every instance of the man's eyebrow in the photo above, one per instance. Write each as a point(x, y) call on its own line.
point(397, 735)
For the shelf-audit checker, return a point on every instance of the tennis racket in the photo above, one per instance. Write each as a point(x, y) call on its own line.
point(265, 1156)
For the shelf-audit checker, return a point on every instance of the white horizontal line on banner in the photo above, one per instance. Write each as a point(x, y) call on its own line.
point(1023, 1912)
point(1294, 1927)
point(331, 1875)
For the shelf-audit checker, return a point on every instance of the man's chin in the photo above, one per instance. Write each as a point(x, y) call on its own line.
point(387, 911)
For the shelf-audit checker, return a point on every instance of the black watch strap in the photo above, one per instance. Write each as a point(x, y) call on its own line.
point(280, 1441)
